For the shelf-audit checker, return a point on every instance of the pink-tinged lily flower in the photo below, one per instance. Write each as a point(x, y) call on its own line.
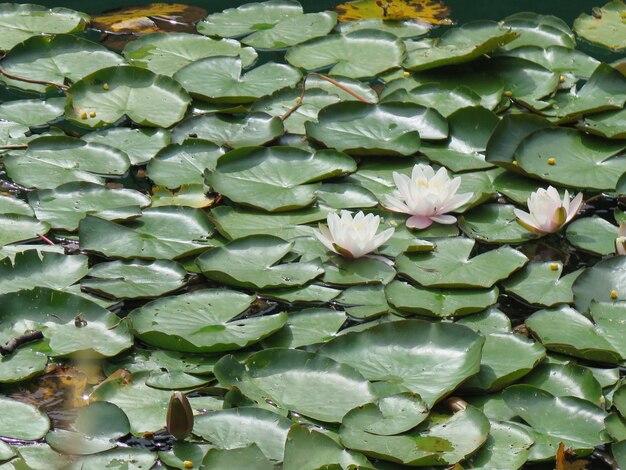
point(352, 237)
point(547, 213)
point(427, 196)
point(620, 241)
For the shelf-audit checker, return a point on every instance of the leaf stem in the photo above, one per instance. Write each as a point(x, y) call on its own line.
point(32, 80)
point(339, 85)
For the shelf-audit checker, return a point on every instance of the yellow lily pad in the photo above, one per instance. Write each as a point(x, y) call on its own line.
point(429, 11)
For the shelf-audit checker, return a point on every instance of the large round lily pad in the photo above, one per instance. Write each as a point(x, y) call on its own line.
point(597, 282)
point(167, 53)
point(71, 325)
point(449, 264)
point(253, 262)
point(385, 129)
point(18, 22)
point(220, 79)
point(202, 321)
point(287, 376)
point(276, 178)
point(103, 97)
point(402, 354)
point(357, 54)
point(22, 421)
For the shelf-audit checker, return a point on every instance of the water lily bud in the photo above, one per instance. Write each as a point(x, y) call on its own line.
point(105, 86)
point(554, 266)
point(551, 161)
point(179, 416)
point(92, 114)
point(614, 294)
point(188, 464)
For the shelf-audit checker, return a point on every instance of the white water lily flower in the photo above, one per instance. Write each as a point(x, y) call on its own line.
point(547, 213)
point(620, 241)
point(352, 237)
point(427, 196)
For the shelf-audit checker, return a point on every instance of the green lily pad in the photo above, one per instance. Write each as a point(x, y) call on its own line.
point(566, 331)
point(605, 26)
point(95, 429)
point(225, 459)
point(508, 134)
point(252, 262)
point(234, 132)
point(609, 124)
point(494, 223)
point(182, 452)
point(167, 232)
point(440, 440)
point(357, 54)
point(141, 145)
point(470, 129)
point(341, 271)
point(299, 110)
point(306, 327)
point(538, 30)
point(22, 421)
point(505, 358)
point(575, 422)
point(609, 322)
point(238, 428)
point(309, 293)
point(32, 113)
point(66, 205)
point(52, 161)
point(370, 129)
point(403, 29)
point(144, 406)
point(597, 282)
point(566, 380)
point(365, 302)
point(492, 320)
point(394, 353)
point(133, 279)
point(202, 321)
point(540, 284)
point(276, 178)
point(493, 406)
point(220, 79)
point(52, 270)
point(444, 99)
point(238, 223)
point(55, 59)
point(458, 45)
point(605, 90)
point(17, 228)
point(12, 205)
point(18, 22)
point(116, 459)
point(486, 85)
point(439, 302)
point(345, 196)
point(106, 96)
point(184, 164)
point(167, 53)
point(309, 449)
point(71, 325)
point(389, 415)
point(449, 265)
point(517, 187)
point(507, 446)
point(558, 59)
point(286, 377)
point(275, 24)
point(22, 365)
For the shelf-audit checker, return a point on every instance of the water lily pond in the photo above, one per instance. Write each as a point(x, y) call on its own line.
point(272, 238)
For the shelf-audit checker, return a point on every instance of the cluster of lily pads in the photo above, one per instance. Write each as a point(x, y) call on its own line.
point(164, 216)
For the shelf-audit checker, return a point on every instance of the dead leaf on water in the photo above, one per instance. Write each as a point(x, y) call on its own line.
point(150, 18)
point(429, 11)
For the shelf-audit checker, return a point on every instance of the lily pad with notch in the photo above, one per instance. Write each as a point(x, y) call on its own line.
point(494, 223)
point(276, 178)
point(141, 145)
point(110, 94)
point(207, 320)
point(220, 79)
point(286, 377)
point(253, 262)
